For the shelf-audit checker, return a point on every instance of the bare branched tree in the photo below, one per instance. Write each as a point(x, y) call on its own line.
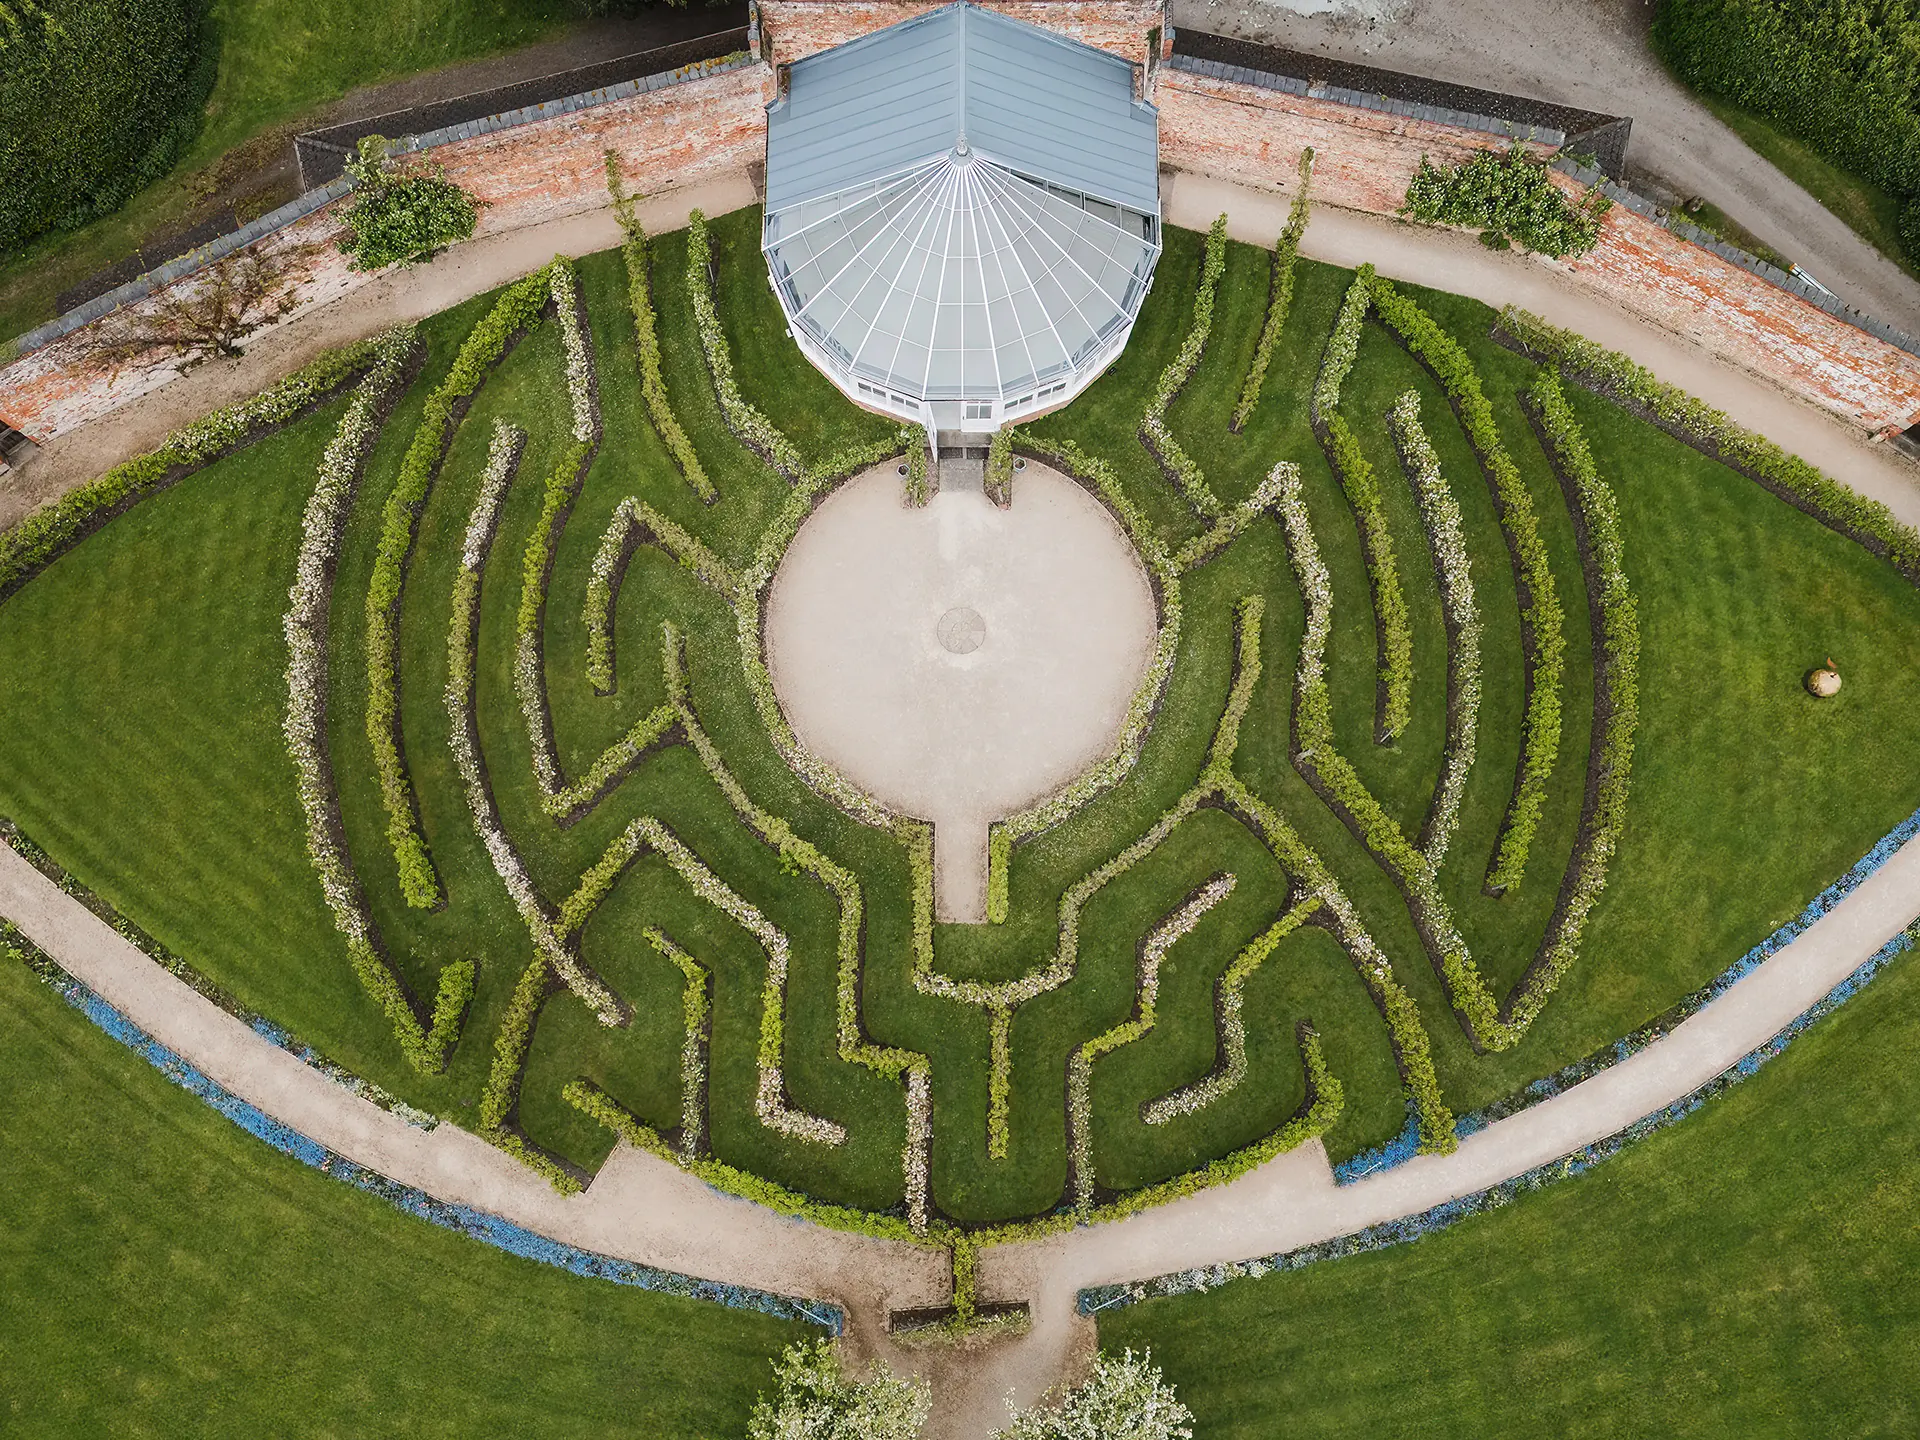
point(212, 314)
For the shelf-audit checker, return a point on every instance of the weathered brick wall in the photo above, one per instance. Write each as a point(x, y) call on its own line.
point(797, 28)
point(1363, 161)
point(680, 135)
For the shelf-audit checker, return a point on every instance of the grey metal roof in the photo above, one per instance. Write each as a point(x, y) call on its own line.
point(1035, 102)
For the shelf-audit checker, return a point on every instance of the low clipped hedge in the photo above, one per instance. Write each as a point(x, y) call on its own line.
point(1279, 295)
point(1613, 375)
point(45, 534)
point(748, 424)
point(1540, 612)
point(1181, 468)
point(519, 307)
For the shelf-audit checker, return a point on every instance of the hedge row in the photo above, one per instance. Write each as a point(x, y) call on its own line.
point(1279, 295)
point(1540, 613)
point(1616, 698)
point(1332, 777)
point(1842, 75)
point(917, 487)
point(1153, 950)
point(999, 473)
point(552, 952)
point(653, 384)
point(517, 310)
point(1393, 623)
point(1453, 570)
point(425, 1039)
point(1181, 468)
point(48, 532)
point(635, 523)
point(1619, 379)
point(749, 426)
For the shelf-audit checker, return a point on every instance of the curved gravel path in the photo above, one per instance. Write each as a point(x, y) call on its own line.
point(644, 1209)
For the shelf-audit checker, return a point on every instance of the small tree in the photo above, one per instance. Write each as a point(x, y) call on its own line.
point(1125, 1399)
point(817, 1400)
point(213, 312)
point(401, 212)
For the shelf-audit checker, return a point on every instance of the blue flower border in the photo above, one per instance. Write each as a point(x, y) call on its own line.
point(1404, 1146)
point(478, 1225)
point(1413, 1227)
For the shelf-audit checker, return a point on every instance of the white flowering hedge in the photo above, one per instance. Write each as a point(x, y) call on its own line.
point(518, 309)
point(1181, 468)
point(425, 1038)
point(1160, 939)
point(749, 426)
point(1616, 694)
point(653, 384)
point(1453, 570)
point(1613, 375)
point(1541, 618)
point(1279, 295)
point(50, 531)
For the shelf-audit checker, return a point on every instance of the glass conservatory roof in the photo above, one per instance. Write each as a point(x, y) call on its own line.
point(962, 206)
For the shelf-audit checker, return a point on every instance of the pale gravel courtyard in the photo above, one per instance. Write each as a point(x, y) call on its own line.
point(959, 661)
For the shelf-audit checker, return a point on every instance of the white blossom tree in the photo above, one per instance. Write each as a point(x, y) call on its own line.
point(1125, 1399)
point(817, 1400)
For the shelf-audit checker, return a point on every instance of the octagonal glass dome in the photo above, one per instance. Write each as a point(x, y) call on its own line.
point(962, 215)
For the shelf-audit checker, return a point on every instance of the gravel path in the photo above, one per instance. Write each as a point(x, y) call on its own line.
point(1593, 54)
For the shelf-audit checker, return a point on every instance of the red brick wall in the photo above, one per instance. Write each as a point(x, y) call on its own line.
point(1363, 161)
point(681, 135)
point(798, 28)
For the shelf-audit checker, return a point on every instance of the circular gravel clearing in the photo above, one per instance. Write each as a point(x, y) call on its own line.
point(960, 661)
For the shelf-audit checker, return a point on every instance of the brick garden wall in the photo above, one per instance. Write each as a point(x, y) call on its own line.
point(1363, 161)
point(715, 126)
point(684, 135)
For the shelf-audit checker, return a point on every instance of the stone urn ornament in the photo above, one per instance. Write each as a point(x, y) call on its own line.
point(1824, 682)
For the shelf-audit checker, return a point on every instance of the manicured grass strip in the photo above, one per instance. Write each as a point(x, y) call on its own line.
point(1744, 1272)
point(1179, 467)
point(1279, 295)
point(261, 1297)
point(517, 310)
point(1540, 613)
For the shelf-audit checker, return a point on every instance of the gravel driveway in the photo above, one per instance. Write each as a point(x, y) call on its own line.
point(1594, 54)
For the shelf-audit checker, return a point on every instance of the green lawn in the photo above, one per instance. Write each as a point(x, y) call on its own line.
point(280, 61)
point(1750, 1271)
point(154, 768)
point(168, 1274)
point(1869, 211)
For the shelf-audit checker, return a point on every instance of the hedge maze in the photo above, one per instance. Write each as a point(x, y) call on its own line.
point(1350, 841)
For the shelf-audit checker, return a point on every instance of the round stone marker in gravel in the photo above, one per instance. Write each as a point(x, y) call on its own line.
point(959, 662)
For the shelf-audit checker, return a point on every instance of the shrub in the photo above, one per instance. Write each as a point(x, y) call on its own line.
point(1279, 295)
point(816, 1399)
point(1383, 571)
point(97, 98)
point(999, 476)
point(1124, 1399)
point(401, 213)
point(749, 426)
point(1506, 195)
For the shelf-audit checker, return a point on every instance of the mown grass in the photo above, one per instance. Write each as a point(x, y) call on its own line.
point(154, 767)
point(1748, 1272)
point(169, 1274)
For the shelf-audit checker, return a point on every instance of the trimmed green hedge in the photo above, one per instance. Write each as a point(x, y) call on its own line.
point(1842, 75)
point(97, 98)
point(1279, 295)
point(1181, 468)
